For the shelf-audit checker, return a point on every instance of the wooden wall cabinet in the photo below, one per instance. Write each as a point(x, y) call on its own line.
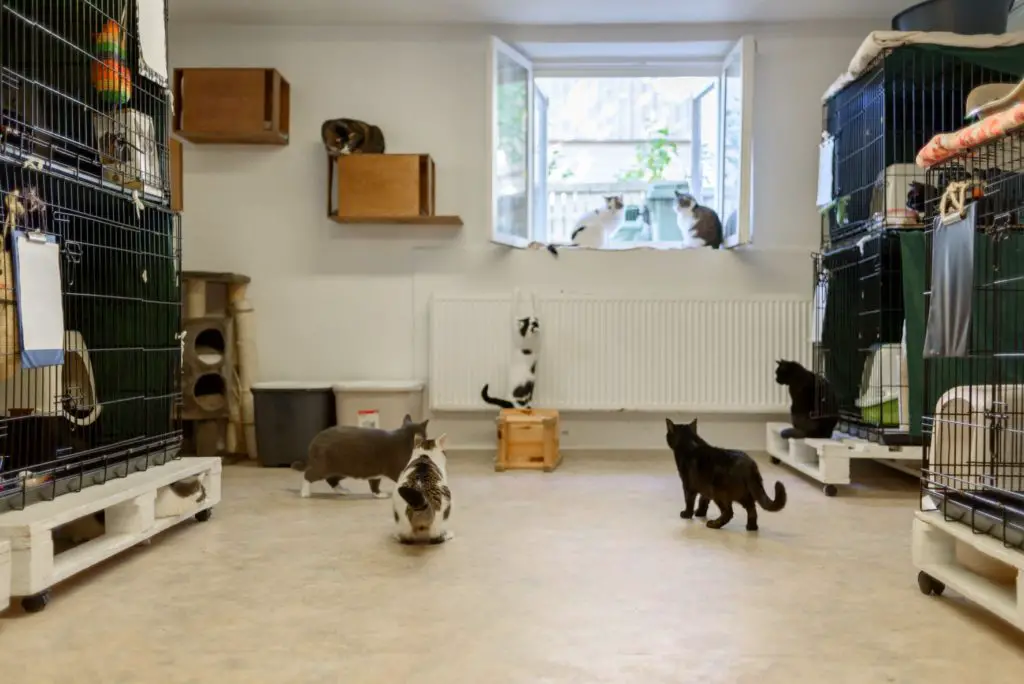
point(177, 175)
point(384, 188)
point(231, 106)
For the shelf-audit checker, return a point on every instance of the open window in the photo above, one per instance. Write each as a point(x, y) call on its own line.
point(737, 106)
point(512, 159)
point(567, 131)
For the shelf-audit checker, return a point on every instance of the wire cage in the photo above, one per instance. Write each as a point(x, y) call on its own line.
point(858, 347)
point(882, 119)
point(76, 94)
point(83, 162)
point(974, 344)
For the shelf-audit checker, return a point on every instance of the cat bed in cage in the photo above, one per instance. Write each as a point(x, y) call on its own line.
point(68, 390)
point(945, 146)
point(890, 197)
point(881, 401)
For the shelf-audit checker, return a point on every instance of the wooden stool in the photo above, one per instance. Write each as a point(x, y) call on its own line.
point(528, 440)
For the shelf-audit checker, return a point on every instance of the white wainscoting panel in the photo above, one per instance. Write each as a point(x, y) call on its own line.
point(618, 353)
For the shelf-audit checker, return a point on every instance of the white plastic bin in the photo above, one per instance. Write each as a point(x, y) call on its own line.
point(391, 399)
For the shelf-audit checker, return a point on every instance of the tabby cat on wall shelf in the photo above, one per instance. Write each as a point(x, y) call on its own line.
point(351, 136)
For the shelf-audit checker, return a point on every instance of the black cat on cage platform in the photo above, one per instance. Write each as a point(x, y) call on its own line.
point(813, 409)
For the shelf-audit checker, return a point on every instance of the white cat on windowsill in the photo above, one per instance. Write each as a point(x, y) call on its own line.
point(595, 228)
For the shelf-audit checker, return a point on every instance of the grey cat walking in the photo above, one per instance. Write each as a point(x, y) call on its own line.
point(346, 451)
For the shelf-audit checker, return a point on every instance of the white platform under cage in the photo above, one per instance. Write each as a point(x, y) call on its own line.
point(828, 460)
point(935, 541)
point(133, 510)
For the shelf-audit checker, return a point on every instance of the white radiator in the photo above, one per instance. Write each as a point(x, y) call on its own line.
point(634, 354)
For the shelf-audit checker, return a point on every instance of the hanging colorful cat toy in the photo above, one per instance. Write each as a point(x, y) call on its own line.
point(110, 77)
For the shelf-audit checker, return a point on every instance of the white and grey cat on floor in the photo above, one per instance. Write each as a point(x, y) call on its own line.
point(522, 369)
point(595, 228)
point(424, 502)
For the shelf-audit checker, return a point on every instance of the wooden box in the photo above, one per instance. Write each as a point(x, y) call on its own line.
point(528, 440)
point(240, 106)
point(385, 185)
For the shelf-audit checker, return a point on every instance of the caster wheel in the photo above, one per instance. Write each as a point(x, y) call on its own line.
point(929, 586)
point(37, 602)
point(774, 461)
point(830, 490)
point(204, 515)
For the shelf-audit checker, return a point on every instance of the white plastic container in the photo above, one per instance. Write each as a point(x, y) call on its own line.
point(5, 575)
point(961, 454)
point(390, 399)
point(880, 384)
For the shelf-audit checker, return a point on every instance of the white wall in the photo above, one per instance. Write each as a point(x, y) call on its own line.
point(338, 302)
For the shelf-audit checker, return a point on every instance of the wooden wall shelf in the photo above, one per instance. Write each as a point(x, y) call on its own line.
point(231, 106)
point(393, 189)
point(400, 220)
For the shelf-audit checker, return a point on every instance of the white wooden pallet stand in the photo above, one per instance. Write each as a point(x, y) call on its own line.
point(828, 460)
point(934, 552)
point(129, 504)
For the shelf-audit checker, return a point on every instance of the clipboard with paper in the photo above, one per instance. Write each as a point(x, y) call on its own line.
point(38, 292)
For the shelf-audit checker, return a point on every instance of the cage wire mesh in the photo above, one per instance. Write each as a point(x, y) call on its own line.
point(83, 159)
point(882, 119)
point(974, 393)
point(868, 274)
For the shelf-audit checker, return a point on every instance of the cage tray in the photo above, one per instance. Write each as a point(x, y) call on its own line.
point(999, 516)
point(130, 506)
point(828, 460)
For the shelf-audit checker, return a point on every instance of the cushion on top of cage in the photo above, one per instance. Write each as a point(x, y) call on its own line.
point(878, 43)
point(127, 144)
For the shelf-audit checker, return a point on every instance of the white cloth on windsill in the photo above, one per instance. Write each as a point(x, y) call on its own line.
point(40, 302)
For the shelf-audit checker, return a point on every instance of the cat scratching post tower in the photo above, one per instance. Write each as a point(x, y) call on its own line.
point(219, 363)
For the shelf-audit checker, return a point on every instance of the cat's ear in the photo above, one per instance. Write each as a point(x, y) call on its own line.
point(670, 425)
point(423, 425)
point(693, 425)
point(407, 419)
point(441, 440)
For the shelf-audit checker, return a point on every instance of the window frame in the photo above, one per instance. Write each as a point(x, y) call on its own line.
point(498, 47)
point(742, 51)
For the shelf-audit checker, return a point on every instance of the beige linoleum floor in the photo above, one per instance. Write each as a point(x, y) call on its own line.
point(584, 575)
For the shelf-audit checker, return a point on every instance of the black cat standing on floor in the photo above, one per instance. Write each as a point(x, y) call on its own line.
point(725, 476)
point(813, 408)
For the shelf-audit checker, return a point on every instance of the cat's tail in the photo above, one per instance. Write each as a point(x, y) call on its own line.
point(761, 496)
point(503, 403)
point(553, 250)
point(413, 497)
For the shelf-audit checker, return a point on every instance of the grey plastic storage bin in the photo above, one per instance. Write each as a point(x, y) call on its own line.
point(288, 416)
point(966, 17)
